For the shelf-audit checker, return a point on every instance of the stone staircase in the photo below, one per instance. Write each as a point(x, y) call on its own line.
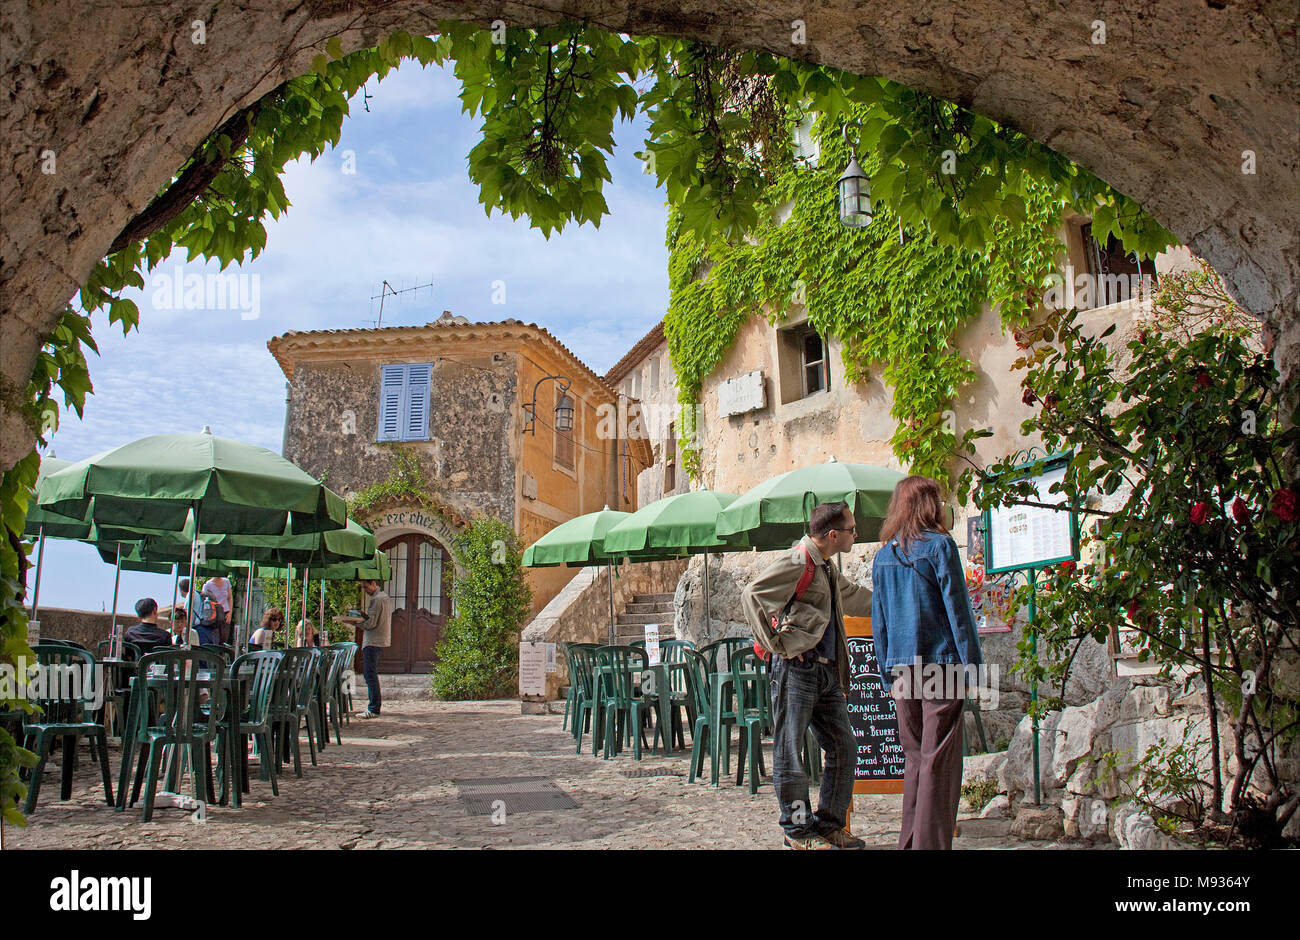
point(630, 624)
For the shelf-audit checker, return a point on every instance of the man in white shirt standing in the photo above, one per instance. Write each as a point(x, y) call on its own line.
point(218, 591)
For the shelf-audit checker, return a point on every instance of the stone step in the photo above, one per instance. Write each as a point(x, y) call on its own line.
point(405, 687)
point(649, 608)
point(643, 618)
point(652, 598)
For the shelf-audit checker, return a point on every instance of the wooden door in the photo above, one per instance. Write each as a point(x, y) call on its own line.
point(420, 589)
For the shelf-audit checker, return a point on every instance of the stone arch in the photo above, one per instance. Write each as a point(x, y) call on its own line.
point(1164, 110)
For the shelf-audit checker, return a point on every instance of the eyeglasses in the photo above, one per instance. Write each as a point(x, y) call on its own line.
point(852, 528)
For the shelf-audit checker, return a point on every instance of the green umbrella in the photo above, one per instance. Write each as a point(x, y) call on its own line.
point(774, 514)
point(679, 524)
point(193, 484)
point(578, 543)
point(671, 527)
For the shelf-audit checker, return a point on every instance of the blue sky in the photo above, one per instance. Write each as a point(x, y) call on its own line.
point(409, 214)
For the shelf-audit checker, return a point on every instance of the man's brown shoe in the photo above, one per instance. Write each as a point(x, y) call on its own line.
point(842, 839)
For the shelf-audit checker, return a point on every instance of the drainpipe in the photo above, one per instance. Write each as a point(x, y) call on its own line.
point(288, 402)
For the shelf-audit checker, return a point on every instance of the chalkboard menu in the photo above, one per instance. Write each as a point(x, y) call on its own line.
point(871, 714)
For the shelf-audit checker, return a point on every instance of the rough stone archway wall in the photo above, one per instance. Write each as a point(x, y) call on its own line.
point(1162, 110)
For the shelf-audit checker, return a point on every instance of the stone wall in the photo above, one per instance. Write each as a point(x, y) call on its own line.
point(86, 627)
point(580, 612)
point(333, 420)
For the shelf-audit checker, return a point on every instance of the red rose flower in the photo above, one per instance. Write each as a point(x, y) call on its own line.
point(1240, 511)
point(1199, 513)
point(1029, 397)
point(1203, 380)
point(1142, 336)
point(1049, 403)
point(1133, 610)
point(1067, 568)
point(1284, 505)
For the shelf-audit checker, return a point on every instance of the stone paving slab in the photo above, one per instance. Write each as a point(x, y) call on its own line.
point(392, 784)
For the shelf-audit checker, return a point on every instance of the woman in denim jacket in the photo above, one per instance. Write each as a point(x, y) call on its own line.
point(925, 636)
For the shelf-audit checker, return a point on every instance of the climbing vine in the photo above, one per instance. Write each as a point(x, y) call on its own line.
point(407, 482)
point(895, 292)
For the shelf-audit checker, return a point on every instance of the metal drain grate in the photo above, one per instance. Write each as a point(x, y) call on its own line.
point(651, 772)
point(516, 795)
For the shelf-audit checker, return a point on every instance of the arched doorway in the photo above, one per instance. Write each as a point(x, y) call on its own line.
point(420, 588)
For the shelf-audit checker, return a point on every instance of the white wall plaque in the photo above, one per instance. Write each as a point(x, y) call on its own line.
point(744, 393)
point(532, 668)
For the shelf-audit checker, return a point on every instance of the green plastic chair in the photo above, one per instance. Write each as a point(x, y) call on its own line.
point(582, 668)
point(291, 703)
point(753, 688)
point(618, 706)
point(173, 715)
point(336, 713)
point(721, 698)
point(64, 719)
point(574, 687)
point(672, 653)
point(259, 671)
point(697, 680)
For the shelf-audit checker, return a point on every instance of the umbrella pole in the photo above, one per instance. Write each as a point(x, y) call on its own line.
point(112, 629)
point(248, 608)
point(708, 618)
point(321, 628)
point(176, 593)
point(288, 605)
point(194, 554)
point(305, 574)
point(612, 638)
point(40, 556)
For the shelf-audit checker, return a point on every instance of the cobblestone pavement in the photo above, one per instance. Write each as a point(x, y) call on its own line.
point(392, 784)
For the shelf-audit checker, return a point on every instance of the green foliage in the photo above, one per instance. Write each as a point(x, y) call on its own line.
point(406, 482)
point(1169, 780)
point(479, 653)
point(894, 296)
point(977, 793)
point(340, 597)
point(1182, 427)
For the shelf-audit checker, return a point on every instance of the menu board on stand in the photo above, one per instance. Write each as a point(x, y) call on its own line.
point(879, 764)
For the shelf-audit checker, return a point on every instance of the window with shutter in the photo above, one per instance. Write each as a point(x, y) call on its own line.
point(418, 378)
point(392, 389)
point(404, 402)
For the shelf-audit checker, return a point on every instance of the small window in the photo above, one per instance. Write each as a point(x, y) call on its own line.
point(404, 402)
point(814, 364)
point(654, 375)
point(670, 460)
point(1115, 275)
point(564, 440)
point(801, 363)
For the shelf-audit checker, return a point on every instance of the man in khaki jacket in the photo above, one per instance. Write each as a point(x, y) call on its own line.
point(377, 627)
point(810, 671)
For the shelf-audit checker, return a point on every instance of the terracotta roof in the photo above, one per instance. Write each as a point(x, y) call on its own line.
point(636, 354)
point(282, 347)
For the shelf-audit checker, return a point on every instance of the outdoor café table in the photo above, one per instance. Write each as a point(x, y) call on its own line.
point(662, 690)
point(234, 705)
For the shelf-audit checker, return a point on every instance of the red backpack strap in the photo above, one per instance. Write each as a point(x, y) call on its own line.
point(809, 570)
point(805, 579)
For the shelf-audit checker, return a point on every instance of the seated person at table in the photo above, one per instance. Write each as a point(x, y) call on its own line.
point(147, 634)
point(306, 634)
point(262, 636)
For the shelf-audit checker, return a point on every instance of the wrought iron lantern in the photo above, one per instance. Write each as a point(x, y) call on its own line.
point(854, 191)
point(563, 409)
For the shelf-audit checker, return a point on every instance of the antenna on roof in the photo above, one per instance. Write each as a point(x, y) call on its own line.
point(387, 290)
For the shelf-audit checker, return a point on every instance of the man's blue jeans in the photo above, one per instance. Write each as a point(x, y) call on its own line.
point(808, 694)
point(370, 668)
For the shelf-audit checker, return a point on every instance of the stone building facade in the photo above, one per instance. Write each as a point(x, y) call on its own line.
point(453, 396)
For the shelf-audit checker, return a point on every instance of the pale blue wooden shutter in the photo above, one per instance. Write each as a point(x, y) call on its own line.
point(392, 391)
point(416, 425)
